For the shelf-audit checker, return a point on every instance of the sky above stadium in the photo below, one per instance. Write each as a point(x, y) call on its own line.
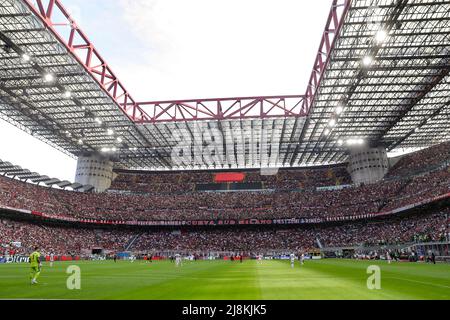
point(177, 49)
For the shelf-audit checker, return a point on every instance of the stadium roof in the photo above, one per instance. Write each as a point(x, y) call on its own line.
point(16, 172)
point(381, 77)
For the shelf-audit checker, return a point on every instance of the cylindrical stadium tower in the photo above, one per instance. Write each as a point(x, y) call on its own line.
point(368, 165)
point(96, 171)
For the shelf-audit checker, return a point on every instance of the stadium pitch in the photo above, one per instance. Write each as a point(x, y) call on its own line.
point(225, 280)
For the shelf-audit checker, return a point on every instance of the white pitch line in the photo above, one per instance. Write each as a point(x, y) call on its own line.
point(422, 282)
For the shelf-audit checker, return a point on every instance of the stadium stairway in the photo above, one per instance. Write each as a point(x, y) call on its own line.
point(319, 243)
point(132, 241)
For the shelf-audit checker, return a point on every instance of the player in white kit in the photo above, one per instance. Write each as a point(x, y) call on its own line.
point(178, 262)
point(388, 257)
point(259, 259)
point(52, 258)
point(302, 259)
point(292, 258)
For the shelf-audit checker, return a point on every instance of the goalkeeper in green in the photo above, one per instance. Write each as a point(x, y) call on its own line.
point(35, 263)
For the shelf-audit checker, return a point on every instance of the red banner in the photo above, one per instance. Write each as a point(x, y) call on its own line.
point(229, 177)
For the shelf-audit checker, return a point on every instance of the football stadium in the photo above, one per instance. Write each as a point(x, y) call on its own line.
point(340, 191)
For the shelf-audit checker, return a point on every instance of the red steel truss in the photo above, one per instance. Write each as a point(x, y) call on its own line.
point(78, 44)
point(333, 27)
point(223, 109)
point(68, 33)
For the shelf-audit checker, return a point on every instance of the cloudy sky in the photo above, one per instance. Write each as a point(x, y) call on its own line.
point(178, 49)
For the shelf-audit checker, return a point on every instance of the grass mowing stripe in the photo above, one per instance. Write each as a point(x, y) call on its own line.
point(424, 283)
point(310, 282)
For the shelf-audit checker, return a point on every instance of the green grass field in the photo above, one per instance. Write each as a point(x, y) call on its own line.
point(224, 280)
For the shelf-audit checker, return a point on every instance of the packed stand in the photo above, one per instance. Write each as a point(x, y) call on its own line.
point(417, 161)
point(163, 183)
point(58, 240)
point(197, 206)
point(366, 199)
point(384, 196)
point(394, 231)
point(422, 188)
point(302, 179)
point(418, 228)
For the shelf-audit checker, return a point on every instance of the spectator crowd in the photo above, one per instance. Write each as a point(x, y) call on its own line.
point(417, 161)
point(366, 199)
point(302, 179)
point(57, 240)
point(276, 203)
point(424, 227)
